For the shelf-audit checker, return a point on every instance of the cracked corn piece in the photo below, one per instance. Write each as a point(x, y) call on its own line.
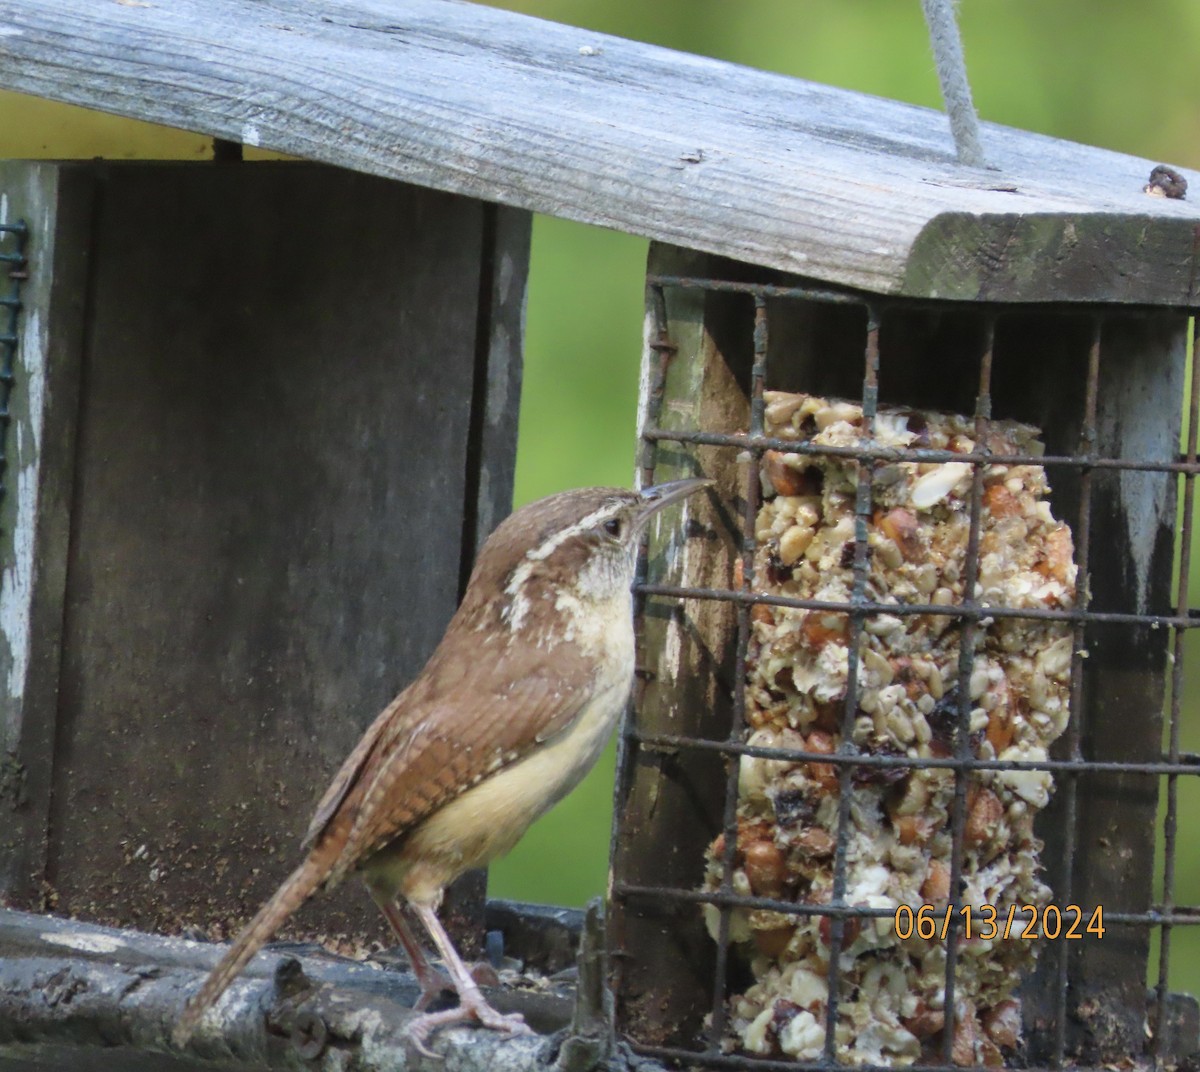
point(891, 1001)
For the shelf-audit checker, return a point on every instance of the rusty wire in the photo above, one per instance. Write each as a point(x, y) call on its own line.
point(969, 613)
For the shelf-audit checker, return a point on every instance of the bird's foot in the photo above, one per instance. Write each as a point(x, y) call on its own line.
point(433, 986)
point(472, 1008)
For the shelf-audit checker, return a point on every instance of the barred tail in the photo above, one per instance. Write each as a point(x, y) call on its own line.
point(298, 887)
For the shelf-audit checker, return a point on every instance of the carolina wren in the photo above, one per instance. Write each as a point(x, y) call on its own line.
point(507, 716)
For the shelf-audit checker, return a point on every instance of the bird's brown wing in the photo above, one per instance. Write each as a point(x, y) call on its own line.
point(347, 775)
point(453, 727)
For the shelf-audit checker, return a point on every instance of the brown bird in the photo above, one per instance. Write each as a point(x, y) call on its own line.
point(507, 716)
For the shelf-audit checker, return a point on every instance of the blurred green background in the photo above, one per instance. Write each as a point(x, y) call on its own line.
point(1118, 75)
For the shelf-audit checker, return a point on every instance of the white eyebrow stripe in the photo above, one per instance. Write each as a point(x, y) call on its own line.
point(520, 604)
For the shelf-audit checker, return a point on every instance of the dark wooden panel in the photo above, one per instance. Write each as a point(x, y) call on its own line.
point(491, 458)
point(268, 520)
point(1133, 516)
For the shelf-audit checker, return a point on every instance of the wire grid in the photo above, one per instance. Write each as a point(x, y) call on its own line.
point(1174, 764)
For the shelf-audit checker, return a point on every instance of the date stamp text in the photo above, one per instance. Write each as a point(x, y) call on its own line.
point(1028, 922)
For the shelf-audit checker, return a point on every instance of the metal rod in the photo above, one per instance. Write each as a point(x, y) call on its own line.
point(846, 749)
point(1070, 788)
point(758, 375)
point(966, 668)
point(659, 350)
point(955, 610)
point(1188, 764)
point(807, 292)
point(738, 441)
point(956, 87)
point(1188, 915)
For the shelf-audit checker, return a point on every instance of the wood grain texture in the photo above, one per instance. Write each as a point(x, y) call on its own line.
point(93, 998)
point(35, 514)
point(1132, 545)
point(491, 459)
point(266, 526)
point(669, 802)
point(704, 154)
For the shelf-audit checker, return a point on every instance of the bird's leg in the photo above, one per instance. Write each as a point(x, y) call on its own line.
point(471, 1003)
point(432, 981)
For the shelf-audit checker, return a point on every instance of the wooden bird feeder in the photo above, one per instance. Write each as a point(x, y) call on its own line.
point(260, 416)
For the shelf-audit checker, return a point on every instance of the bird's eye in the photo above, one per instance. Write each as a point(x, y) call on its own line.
point(613, 526)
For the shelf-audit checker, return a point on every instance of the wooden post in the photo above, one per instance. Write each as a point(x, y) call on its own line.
point(57, 206)
point(669, 803)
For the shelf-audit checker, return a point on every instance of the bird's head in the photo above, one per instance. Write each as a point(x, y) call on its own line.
point(580, 544)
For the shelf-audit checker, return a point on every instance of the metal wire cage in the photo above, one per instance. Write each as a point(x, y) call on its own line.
point(1106, 388)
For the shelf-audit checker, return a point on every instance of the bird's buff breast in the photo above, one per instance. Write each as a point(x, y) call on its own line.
point(489, 819)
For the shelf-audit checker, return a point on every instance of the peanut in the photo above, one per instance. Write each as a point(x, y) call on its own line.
point(824, 774)
point(785, 479)
point(1057, 561)
point(820, 628)
point(1000, 502)
point(962, 1049)
point(900, 526)
point(925, 1022)
point(764, 868)
point(984, 814)
point(1000, 729)
point(990, 1053)
point(793, 544)
point(815, 842)
point(936, 887)
point(771, 942)
point(1002, 1023)
point(851, 929)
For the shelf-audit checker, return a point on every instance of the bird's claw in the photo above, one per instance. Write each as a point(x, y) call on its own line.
point(480, 1011)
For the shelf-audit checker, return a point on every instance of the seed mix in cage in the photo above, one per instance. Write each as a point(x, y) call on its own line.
point(899, 842)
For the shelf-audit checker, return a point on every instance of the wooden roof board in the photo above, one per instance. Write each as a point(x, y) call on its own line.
point(776, 171)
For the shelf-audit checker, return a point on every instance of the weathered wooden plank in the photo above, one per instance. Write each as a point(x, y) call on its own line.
point(86, 997)
point(35, 514)
point(669, 803)
point(491, 458)
point(704, 154)
point(267, 526)
point(492, 449)
point(1133, 518)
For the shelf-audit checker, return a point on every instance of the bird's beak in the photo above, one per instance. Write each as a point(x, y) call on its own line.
point(660, 495)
